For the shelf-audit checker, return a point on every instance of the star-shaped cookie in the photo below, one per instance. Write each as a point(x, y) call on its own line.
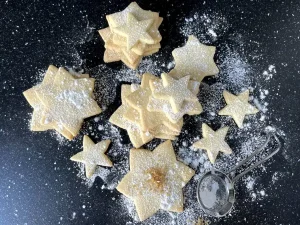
point(194, 59)
point(213, 142)
point(173, 90)
point(139, 101)
point(155, 180)
point(237, 107)
point(190, 107)
point(135, 31)
point(93, 155)
point(68, 101)
point(31, 96)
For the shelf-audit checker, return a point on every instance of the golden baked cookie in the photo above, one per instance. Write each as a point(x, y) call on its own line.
point(155, 180)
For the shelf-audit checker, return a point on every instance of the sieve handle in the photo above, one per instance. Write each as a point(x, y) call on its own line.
point(253, 155)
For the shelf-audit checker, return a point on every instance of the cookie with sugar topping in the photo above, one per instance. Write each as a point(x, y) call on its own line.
point(68, 101)
point(31, 96)
point(132, 34)
point(194, 59)
point(93, 155)
point(155, 180)
point(213, 142)
point(237, 107)
point(188, 107)
point(176, 92)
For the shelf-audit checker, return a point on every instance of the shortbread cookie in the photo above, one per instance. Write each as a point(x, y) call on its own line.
point(139, 101)
point(136, 136)
point(194, 59)
point(39, 108)
point(135, 31)
point(190, 108)
point(213, 142)
point(155, 180)
point(93, 155)
point(132, 34)
point(237, 107)
point(174, 91)
point(68, 101)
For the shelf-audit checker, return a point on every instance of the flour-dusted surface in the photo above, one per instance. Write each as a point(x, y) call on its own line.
point(257, 49)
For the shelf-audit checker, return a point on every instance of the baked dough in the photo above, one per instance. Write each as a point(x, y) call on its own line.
point(237, 107)
point(155, 180)
point(93, 155)
point(213, 142)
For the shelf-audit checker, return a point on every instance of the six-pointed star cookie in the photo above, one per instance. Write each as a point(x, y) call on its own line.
point(237, 107)
point(213, 142)
point(190, 108)
point(139, 101)
point(155, 180)
point(93, 155)
point(135, 31)
point(175, 91)
point(194, 59)
point(68, 101)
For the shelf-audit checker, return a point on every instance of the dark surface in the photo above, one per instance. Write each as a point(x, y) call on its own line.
point(35, 34)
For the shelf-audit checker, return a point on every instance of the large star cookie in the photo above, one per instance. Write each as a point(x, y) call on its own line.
point(155, 180)
point(213, 142)
point(194, 59)
point(237, 107)
point(93, 155)
point(68, 101)
point(31, 96)
point(175, 91)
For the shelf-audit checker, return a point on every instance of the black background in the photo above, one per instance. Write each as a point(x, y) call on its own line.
point(35, 34)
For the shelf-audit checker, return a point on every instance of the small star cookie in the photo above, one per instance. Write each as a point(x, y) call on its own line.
point(237, 107)
point(175, 91)
point(213, 142)
point(155, 180)
point(194, 59)
point(135, 31)
point(93, 155)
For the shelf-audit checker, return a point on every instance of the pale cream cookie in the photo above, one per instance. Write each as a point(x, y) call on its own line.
point(139, 101)
point(213, 142)
point(237, 107)
point(93, 155)
point(68, 101)
point(135, 31)
point(194, 59)
point(190, 107)
point(155, 180)
point(176, 92)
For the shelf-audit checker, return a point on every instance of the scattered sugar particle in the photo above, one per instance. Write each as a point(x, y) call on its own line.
point(83, 206)
point(96, 119)
point(212, 32)
point(100, 127)
point(262, 193)
point(73, 215)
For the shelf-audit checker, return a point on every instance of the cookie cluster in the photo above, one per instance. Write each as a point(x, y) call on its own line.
point(132, 34)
